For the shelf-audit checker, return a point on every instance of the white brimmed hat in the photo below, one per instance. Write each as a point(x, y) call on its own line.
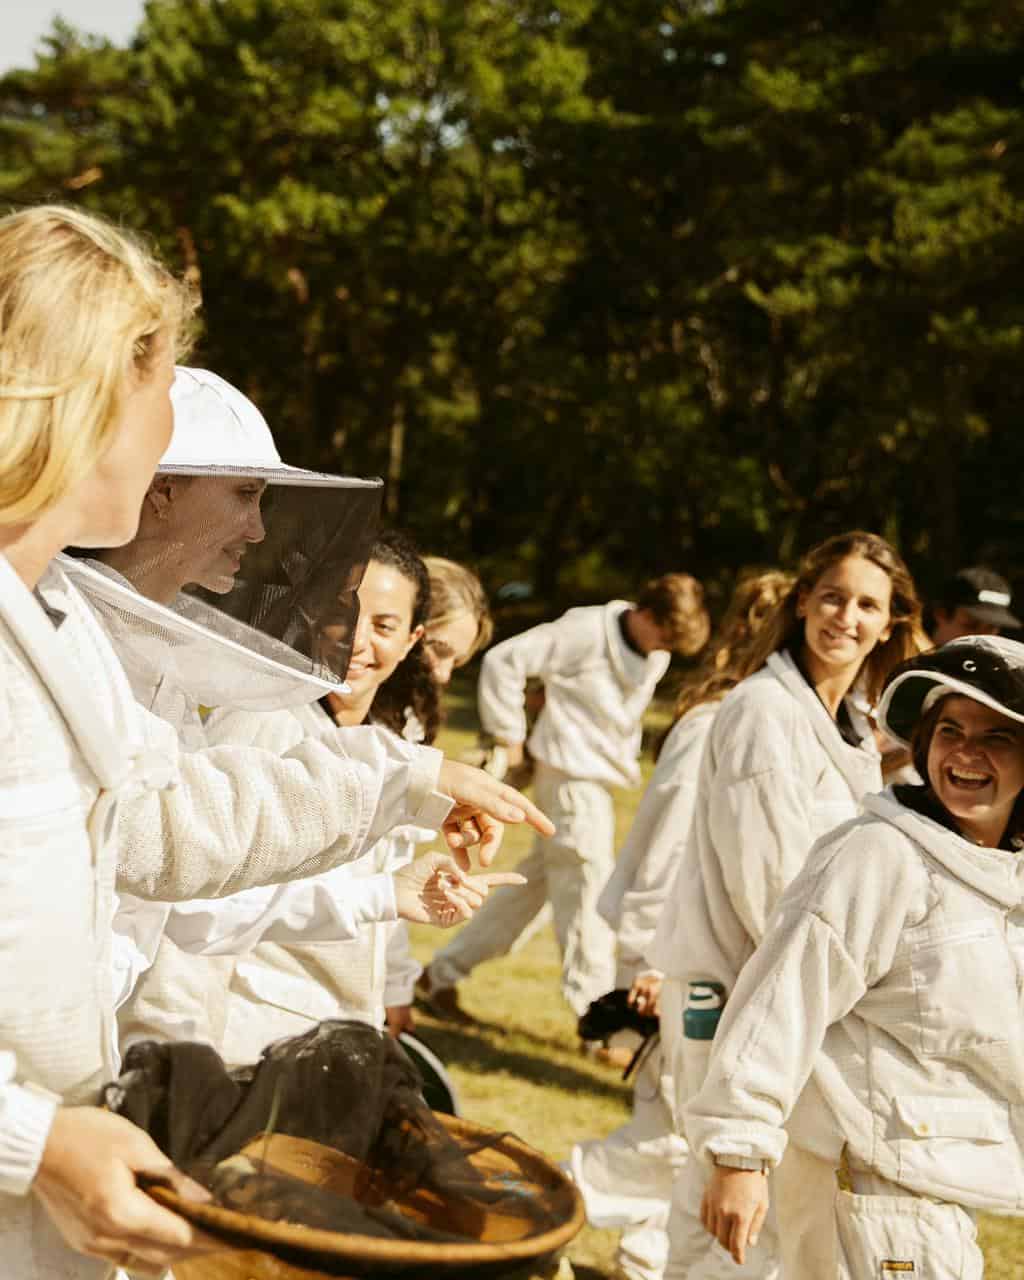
point(988, 669)
point(278, 630)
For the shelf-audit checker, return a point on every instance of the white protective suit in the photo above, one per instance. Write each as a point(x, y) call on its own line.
point(241, 971)
point(626, 1178)
point(586, 739)
point(892, 969)
point(79, 779)
point(775, 776)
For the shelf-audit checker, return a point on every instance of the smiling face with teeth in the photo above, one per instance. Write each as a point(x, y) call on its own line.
point(976, 766)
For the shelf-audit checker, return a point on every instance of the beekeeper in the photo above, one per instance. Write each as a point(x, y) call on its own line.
point(599, 666)
point(626, 1178)
point(892, 972)
point(788, 758)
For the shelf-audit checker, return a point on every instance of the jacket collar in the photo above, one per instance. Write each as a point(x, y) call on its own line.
point(859, 765)
point(101, 721)
point(996, 873)
point(630, 668)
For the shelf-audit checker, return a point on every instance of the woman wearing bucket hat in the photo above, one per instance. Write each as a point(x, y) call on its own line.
point(892, 973)
point(789, 757)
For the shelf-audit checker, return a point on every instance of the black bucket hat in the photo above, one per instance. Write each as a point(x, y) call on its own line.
point(984, 594)
point(989, 669)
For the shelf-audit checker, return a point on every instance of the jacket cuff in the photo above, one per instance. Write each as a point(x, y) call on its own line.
point(425, 805)
point(750, 1163)
point(26, 1114)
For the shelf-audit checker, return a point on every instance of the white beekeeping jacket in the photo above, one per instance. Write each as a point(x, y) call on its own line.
point(596, 692)
point(892, 971)
point(776, 775)
point(634, 897)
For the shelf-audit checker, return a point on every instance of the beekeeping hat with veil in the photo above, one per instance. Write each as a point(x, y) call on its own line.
point(240, 586)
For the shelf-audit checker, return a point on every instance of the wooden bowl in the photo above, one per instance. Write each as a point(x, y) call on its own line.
point(257, 1249)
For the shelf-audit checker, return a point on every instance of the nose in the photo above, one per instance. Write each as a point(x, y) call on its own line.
point(847, 613)
point(361, 635)
point(255, 530)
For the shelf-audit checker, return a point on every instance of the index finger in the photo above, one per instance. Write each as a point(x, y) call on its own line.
point(531, 814)
point(494, 878)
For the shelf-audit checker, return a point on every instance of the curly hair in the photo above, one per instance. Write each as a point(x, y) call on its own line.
point(754, 600)
point(411, 686)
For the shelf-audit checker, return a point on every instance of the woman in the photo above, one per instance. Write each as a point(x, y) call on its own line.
point(788, 758)
point(626, 1178)
point(83, 421)
point(459, 624)
point(892, 970)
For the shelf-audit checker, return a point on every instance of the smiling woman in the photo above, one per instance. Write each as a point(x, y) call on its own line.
point(790, 755)
point(894, 969)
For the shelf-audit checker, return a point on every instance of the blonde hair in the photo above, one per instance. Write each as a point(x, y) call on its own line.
point(676, 602)
point(784, 629)
point(454, 591)
point(84, 308)
point(755, 599)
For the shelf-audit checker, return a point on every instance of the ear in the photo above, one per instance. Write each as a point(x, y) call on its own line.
point(801, 602)
point(415, 635)
point(160, 496)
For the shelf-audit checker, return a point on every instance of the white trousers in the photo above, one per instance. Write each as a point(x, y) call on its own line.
point(626, 1178)
point(569, 870)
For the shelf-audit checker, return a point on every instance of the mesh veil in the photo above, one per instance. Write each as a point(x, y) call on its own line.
point(343, 1085)
point(267, 616)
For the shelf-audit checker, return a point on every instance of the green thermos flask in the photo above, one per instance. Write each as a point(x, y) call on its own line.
point(703, 1009)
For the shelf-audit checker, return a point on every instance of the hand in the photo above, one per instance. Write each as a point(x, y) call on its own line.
point(734, 1208)
point(482, 806)
point(87, 1184)
point(645, 993)
point(435, 890)
point(398, 1018)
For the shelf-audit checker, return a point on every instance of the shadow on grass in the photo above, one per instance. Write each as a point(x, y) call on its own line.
point(478, 1053)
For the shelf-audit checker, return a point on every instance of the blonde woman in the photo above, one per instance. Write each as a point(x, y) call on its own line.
point(459, 624)
point(90, 329)
point(626, 1178)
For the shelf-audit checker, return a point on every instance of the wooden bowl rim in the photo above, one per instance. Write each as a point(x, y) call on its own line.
point(361, 1248)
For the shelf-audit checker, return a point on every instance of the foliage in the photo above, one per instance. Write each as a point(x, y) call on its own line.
point(597, 287)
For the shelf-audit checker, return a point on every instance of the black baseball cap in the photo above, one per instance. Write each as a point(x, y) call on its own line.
point(984, 593)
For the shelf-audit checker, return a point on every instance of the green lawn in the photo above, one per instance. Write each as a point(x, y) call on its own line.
point(518, 1067)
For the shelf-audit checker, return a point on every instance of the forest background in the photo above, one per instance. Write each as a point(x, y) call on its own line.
point(602, 289)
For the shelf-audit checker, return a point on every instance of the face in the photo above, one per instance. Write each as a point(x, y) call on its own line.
point(450, 645)
point(846, 613)
point(111, 497)
point(207, 524)
point(384, 633)
point(976, 766)
point(952, 624)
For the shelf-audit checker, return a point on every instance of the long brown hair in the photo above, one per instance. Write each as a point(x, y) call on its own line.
point(785, 629)
point(754, 600)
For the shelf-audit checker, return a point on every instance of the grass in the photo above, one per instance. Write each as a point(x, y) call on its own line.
point(518, 1067)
